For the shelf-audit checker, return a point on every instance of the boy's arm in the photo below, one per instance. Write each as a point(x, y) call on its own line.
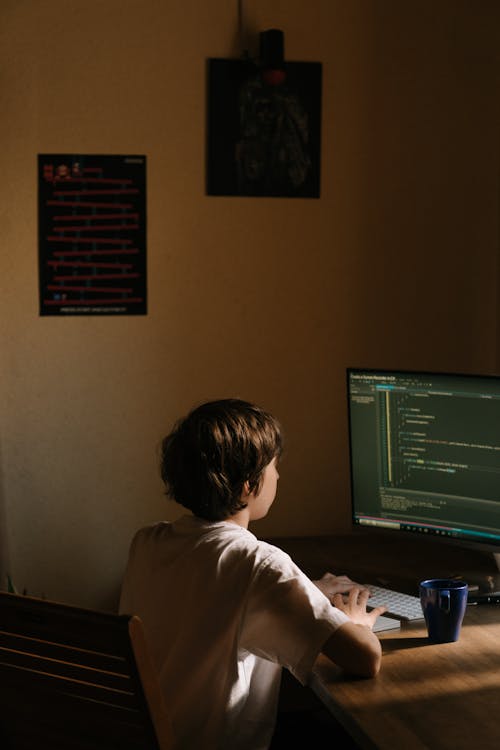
point(353, 646)
point(356, 649)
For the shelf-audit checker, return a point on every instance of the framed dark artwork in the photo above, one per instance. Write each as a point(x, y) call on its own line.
point(92, 234)
point(263, 129)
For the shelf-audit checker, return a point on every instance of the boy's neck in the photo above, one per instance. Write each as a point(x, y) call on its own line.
point(241, 518)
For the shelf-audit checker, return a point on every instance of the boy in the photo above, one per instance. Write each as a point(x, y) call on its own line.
point(223, 612)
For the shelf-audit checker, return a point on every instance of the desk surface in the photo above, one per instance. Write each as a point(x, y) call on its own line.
point(426, 696)
point(443, 697)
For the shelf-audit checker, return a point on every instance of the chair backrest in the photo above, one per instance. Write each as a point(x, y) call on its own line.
point(74, 679)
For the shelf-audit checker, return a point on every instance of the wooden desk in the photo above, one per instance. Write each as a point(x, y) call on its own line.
point(397, 563)
point(426, 696)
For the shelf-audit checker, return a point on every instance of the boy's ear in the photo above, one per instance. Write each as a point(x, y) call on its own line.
point(246, 488)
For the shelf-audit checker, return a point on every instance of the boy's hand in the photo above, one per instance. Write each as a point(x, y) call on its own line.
point(355, 607)
point(330, 585)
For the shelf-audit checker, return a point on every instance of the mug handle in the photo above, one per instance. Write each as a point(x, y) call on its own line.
point(444, 598)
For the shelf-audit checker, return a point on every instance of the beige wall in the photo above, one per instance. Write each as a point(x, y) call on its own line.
point(267, 299)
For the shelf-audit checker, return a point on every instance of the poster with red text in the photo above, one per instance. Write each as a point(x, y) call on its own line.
point(92, 234)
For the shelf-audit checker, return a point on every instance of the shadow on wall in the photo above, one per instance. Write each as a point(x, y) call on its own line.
point(419, 202)
point(4, 556)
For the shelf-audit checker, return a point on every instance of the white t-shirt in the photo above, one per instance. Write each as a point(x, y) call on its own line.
point(222, 613)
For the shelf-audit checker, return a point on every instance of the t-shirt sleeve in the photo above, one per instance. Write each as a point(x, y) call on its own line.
point(287, 618)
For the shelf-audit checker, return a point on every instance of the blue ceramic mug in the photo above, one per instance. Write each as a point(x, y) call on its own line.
point(443, 603)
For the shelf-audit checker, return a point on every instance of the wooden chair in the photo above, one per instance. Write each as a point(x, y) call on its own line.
point(74, 679)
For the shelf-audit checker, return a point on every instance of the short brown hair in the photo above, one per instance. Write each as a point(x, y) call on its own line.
point(211, 453)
